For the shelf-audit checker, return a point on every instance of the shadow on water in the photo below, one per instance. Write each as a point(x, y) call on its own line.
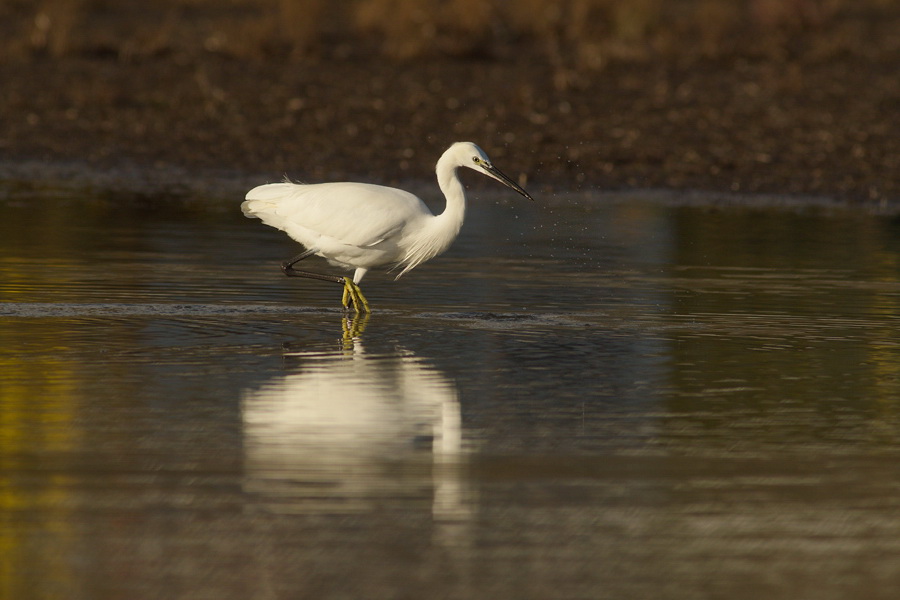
point(627, 399)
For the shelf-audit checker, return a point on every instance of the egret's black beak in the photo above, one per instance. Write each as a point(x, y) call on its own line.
point(499, 176)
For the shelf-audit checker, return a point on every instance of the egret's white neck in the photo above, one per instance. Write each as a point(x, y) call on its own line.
point(439, 231)
point(455, 211)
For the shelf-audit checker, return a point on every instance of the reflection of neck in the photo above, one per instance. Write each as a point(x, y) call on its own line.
point(448, 431)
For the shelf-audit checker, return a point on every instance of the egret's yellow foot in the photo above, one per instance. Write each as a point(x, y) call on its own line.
point(346, 295)
point(352, 293)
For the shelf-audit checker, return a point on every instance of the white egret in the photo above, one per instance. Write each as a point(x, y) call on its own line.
point(363, 226)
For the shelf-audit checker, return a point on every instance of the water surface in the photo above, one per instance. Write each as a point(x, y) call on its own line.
point(585, 398)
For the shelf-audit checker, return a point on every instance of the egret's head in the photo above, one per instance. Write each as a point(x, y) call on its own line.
point(467, 154)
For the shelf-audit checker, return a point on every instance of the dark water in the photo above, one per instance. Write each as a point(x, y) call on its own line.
point(586, 398)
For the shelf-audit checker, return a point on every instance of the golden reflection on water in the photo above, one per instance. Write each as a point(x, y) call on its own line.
point(38, 409)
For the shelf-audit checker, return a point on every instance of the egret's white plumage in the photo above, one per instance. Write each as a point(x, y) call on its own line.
point(363, 226)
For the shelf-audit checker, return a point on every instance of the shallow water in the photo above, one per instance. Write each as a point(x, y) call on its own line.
point(585, 399)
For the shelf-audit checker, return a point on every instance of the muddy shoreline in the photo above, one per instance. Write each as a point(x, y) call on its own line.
point(805, 125)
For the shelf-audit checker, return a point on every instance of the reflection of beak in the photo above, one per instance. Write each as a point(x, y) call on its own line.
point(497, 174)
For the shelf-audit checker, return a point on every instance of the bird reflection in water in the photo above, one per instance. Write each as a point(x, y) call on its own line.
point(352, 329)
point(348, 431)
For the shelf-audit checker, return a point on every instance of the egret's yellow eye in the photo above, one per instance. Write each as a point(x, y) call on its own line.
point(476, 160)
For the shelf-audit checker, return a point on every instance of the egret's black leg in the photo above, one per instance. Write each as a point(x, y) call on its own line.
point(352, 293)
point(289, 270)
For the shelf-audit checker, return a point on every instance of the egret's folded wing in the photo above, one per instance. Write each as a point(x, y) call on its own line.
point(356, 214)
